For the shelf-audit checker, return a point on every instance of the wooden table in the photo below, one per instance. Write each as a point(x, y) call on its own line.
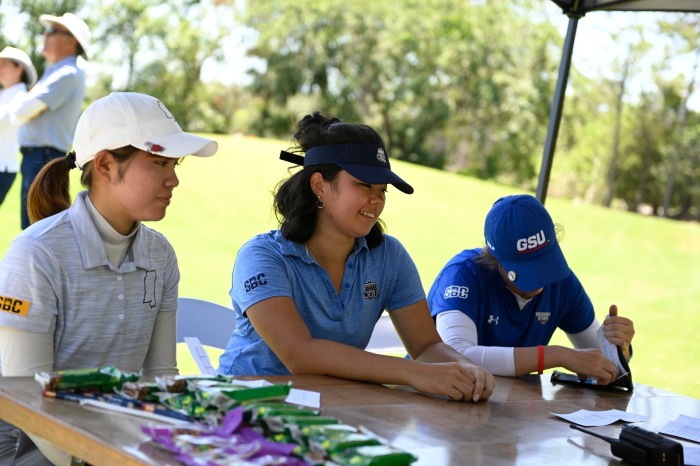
point(514, 427)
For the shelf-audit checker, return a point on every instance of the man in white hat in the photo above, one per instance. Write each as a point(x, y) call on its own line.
point(50, 111)
point(17, 74)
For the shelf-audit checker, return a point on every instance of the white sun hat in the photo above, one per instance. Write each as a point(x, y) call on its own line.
point(74, 25)
point(132, 119)
point(21, 58)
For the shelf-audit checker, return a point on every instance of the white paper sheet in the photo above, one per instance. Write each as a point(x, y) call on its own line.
point(586, 418)
point(686, 427)
point(691, 456)
point(610, 351)
point(201, 358)
point(304, 398)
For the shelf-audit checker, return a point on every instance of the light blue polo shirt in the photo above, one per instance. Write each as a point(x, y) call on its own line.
point(377, 279)
point(56, 277)
point(62, 89)
point(482, 295)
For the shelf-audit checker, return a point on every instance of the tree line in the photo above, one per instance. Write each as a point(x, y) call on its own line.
point(457, 85)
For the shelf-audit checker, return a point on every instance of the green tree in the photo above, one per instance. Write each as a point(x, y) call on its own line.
point(163, 48)
point(687, 33)
point(449, 83)
point(635, 51)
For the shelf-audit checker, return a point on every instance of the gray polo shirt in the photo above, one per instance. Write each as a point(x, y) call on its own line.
point(62, 89)
point(56, 278)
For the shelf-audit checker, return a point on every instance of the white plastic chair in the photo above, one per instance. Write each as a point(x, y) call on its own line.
point(211, 323)
point(384, 337)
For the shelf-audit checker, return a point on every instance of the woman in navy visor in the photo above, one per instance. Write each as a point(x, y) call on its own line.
point(308, 295)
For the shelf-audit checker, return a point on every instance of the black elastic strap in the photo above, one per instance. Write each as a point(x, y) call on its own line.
point(292, 158)
point(70, 159)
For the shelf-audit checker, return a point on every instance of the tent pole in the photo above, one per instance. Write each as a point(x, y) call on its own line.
point(557, 105)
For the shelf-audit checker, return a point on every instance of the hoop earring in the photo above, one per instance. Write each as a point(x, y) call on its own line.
point(319, 203)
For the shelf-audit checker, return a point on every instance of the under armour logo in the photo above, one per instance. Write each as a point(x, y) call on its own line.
point(493, 319)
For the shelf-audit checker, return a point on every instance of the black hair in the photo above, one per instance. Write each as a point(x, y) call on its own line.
point(295, 202)
point(25, 77)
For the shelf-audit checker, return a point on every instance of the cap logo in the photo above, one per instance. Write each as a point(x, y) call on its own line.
point(154, 147)
point(490, 245)
point(381, 156)
point(512, 276)
point(531, 243)
point(165, 111)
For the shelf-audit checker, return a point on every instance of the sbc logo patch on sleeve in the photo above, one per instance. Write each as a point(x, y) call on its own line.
point(14, 306)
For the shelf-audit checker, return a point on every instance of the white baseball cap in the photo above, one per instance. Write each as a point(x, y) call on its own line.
point(74, 25)
point(21, 58)
point(132, 119)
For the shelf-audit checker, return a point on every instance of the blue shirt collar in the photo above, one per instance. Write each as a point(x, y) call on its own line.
point(290, 248)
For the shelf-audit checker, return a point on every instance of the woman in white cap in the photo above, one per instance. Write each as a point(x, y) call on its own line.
point(89, 284)
point(17, 75)
point(307, 296)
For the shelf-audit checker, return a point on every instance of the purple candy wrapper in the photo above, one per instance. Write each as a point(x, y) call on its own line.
point(231, 443)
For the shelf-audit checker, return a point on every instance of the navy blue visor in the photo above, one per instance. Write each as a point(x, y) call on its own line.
point(368, 162)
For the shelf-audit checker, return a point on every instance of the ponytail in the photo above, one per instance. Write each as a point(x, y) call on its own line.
point(49, 193)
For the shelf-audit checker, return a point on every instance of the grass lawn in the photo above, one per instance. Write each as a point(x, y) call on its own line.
point(649, 267)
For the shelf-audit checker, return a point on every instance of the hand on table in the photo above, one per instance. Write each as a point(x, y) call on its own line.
point(460, 381)
point(590, 362)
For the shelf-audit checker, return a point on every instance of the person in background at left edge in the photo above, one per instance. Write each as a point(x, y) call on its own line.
point(49, 112)
point(17, 75)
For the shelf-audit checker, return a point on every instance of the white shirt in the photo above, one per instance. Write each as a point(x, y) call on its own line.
point(9, 147)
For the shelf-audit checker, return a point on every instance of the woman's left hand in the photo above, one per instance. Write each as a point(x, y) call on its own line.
point(619, 331)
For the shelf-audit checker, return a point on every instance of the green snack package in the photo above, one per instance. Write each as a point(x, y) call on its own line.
point(261, 410)
point(291, 423)
point(304, 433)
point(185, 403)
point(330, 442)
point(242, 393)
point(213, 398)
point(325, 429)
point(101, 379)
point(375, 455)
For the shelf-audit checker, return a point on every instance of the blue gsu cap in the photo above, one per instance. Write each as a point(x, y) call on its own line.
point(368, 162)
point(520, 233)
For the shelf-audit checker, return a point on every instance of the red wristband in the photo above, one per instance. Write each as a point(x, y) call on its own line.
point(540, 359)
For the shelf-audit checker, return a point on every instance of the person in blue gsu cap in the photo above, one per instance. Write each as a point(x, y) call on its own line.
point(307, 296)
point(499, 305)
